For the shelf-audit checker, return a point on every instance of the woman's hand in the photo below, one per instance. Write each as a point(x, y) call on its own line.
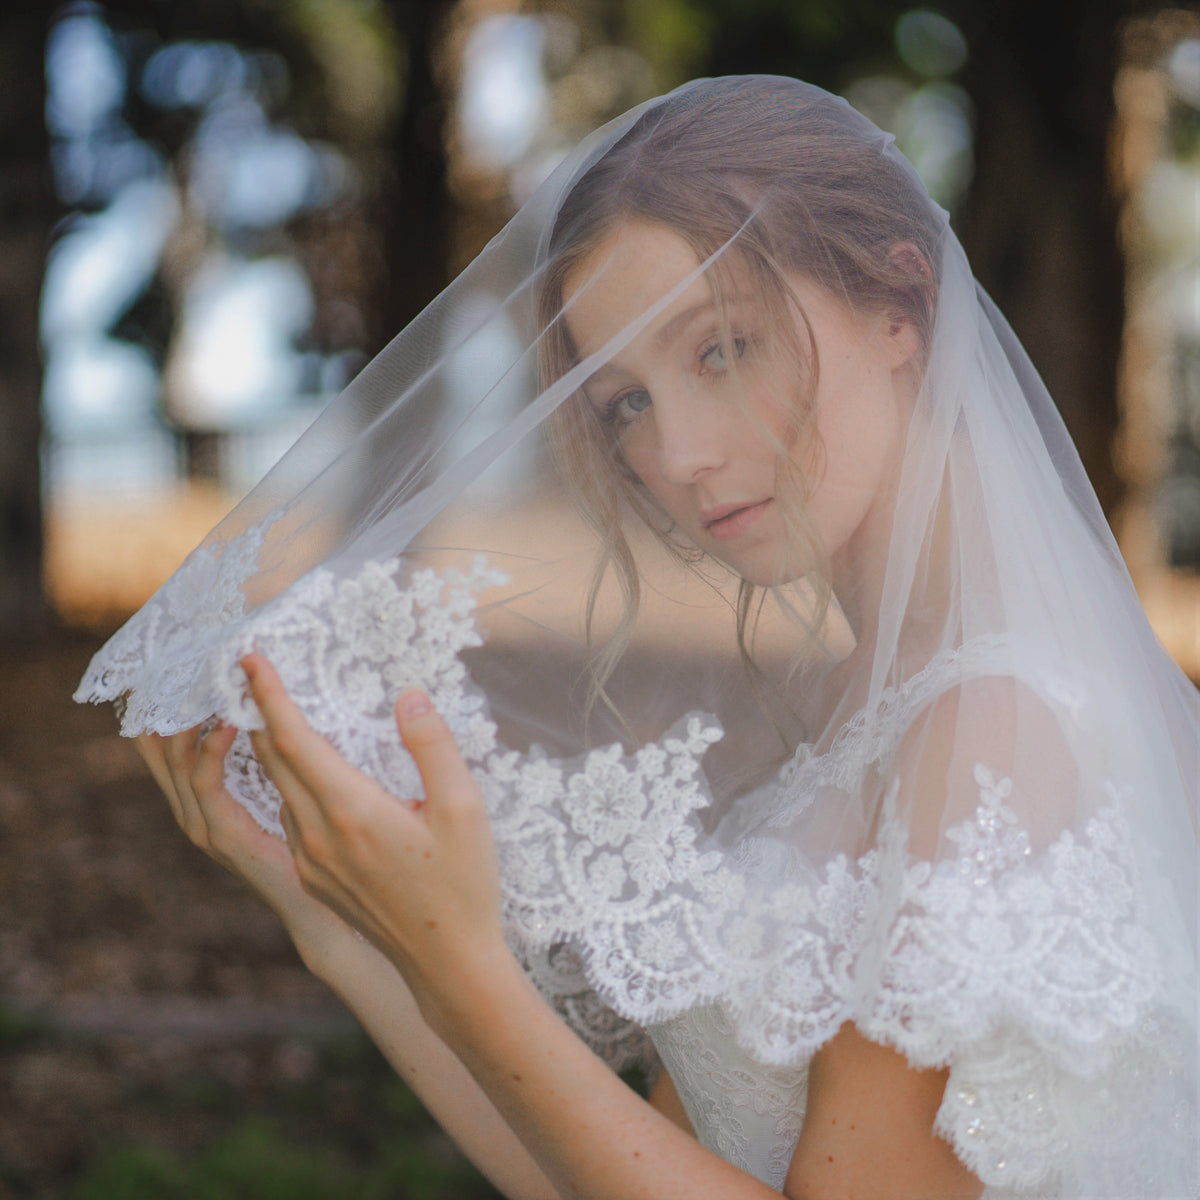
point(418, 878)
point(190, 767)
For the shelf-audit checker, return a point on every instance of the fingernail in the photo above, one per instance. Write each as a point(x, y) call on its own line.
point(413, 704)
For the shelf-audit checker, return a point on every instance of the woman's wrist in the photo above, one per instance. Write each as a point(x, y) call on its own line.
point(468, 993)
point(328, 947)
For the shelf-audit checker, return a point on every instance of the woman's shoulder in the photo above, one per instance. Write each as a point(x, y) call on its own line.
point(989, 695)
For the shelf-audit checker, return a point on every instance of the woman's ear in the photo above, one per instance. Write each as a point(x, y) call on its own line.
point(912, 274)
point(901, 341)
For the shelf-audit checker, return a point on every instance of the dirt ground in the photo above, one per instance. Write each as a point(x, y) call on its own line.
point(145, 997)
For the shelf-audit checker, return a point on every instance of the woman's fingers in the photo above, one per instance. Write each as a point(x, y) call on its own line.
point(300, 760)
point(208, 771)
point(289, 746)
point(189, 768)
point(276, 767)
point(421, 884)
point(320, 790)
point(153, 753)
point(448, 781)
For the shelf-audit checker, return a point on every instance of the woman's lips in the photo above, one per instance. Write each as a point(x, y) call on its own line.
point(732, 520)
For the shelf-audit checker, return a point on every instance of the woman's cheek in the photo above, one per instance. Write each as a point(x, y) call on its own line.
point(638, 451)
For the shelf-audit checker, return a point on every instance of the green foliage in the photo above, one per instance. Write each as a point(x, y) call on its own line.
point(1184, 134)
point(349, 1130)
point(256, 1161)
point(17, 1027)
point(252, 1162)
point(821, 41)
point(205, 1092)
point(674, 35)
point(135, 1173)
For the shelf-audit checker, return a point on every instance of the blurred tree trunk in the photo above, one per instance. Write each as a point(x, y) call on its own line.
point(1040, 224)
point(414, 202)
point(27, 213)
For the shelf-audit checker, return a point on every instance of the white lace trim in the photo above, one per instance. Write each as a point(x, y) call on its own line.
point(347, 648)
point(875, 730)
point(151, 663)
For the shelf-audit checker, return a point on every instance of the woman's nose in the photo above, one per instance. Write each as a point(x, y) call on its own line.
point(693, 437)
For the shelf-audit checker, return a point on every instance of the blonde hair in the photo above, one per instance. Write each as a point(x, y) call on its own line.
point(795, 183)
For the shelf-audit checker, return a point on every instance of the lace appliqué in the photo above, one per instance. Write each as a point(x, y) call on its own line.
point(991, 931)
point(874, 730)
point(937, 960)
point(1034, 981)
point(592, 853)
point(559, 975)
point(602, 857)
point(345, 648)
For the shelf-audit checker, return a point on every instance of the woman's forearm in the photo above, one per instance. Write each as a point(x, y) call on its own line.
point(379, 998)
point(589, 1133)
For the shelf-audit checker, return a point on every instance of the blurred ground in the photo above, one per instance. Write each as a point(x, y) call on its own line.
point(104, 557)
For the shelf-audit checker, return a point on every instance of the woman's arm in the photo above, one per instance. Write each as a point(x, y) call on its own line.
point(420, 880)
point(868, 1129)
point(190, 771)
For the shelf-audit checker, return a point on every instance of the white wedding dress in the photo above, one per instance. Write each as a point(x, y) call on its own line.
point(1025, 966)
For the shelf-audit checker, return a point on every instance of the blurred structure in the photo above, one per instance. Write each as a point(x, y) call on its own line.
point(1156, 166)
point(526, 83)
point(219, 274)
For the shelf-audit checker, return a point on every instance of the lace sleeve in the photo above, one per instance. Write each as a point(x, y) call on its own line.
point(1022, 951)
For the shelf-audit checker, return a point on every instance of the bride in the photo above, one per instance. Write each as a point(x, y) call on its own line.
point(694, 642)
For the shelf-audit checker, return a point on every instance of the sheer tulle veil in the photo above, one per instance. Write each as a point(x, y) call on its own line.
point(897, 746)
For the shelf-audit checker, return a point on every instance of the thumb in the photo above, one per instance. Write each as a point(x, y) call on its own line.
point(447, 778)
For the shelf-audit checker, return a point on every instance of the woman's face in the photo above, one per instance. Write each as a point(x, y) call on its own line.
point(702, 438)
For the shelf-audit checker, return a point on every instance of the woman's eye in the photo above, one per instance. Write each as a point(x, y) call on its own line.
point(717, 357)
point(624, 408)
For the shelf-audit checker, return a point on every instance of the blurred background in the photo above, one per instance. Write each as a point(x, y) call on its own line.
point(213, 215)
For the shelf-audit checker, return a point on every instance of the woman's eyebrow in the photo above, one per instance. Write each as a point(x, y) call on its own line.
point(680, 321)
point(673, 328)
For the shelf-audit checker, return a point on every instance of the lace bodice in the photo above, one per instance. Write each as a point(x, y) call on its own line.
point(749, 1113)
point(1056, 929)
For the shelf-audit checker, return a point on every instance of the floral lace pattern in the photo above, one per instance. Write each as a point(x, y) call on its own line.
point(347, 648)
point(957, 987)
point(874, 730)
